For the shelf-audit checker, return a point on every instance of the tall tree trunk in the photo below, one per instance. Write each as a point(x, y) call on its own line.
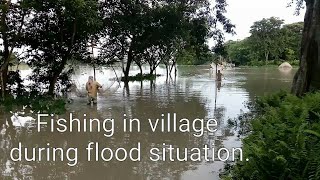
point(175, 70)
point(94, 73)
point(266, 54)
point(152, 70)
point(308, 76)
point(52, 84)
point(167, 71)
point(173, 66)
point(126, 88)
point(127, 69)
point(3, 79)
point(6, 52)
point(55, 76)
point(216, 68)
point(4, 72)
point(140, 68)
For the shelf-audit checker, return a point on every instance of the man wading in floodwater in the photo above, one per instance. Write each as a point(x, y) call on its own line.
point(219, 76)
point(92, 87)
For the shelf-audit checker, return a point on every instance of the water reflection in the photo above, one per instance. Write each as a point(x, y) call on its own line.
point(195, 94)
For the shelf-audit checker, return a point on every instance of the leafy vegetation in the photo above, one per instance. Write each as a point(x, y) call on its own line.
point(53, 35)
point(142, 77)
point(271, 42)
point(283, 139)
point(41, 104)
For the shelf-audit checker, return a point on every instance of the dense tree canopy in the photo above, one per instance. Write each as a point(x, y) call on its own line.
point(270, 42)
point(266, 37)
point(14, 16)
point(158, 32)
point(59, 32)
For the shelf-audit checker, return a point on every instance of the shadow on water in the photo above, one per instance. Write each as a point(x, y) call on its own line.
point(194, 95)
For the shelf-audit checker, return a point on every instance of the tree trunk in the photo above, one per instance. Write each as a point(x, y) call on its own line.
point(266, 54)
point(167, 71)
point(55, 76)
point(140, 68)
point(173, 66)
point(308, 76)
point(4, 76)
point(94, 73)
point(53, 82)
point(216, 68)
point(151, 70)
point(127, 69)
point(175, 70)
point(3, 79)
point(126, 88)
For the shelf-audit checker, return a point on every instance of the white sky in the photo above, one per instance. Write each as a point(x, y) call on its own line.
point(243, 13)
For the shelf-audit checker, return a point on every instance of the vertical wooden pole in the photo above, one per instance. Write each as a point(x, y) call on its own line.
point(93, 62)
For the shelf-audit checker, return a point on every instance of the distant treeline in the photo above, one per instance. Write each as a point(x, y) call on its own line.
point(271, 42)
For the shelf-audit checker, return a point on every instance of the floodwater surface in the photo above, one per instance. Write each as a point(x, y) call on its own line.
point(193, 94)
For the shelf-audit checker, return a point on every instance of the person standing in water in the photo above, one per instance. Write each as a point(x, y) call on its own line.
point(219, 76)
point(92, 88)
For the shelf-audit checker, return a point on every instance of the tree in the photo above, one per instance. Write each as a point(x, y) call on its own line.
point(13, 18)
point(265, 37)
point(239, 52)
point(59, 31)
point(125, 23)
point(152, 27)
point(293, 35)
point(308, 76)
point(282, 43)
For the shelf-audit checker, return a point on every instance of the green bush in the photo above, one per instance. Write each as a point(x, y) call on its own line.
point(142, 77)
point(39, 103)
point(284, 140)
point(256, 63)
point(294, 62)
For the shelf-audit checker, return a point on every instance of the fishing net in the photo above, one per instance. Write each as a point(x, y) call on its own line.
point(108, 78)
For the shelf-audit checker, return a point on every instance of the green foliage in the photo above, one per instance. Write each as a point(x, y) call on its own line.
point(239, 51)
point(157, 33)
point(186, 57)
point(266, 38)
point(292, 36)
point(284, 139)
point(190, 57)
point(269, 43)
point(38, 103)
point(58, 32)
point(143, 77)
point(256, 63)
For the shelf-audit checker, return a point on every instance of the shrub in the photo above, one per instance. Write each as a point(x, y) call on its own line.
point(39, 103)
point(142, 77)
point(284, 140)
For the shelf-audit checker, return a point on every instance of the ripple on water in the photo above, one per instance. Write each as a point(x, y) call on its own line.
point(194, 94)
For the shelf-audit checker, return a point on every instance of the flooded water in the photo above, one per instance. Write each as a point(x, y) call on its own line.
point(193, 94)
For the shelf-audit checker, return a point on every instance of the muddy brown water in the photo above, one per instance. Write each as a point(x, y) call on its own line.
point(193, 94)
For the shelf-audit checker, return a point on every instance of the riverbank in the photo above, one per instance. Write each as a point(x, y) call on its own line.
point(281, 139)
